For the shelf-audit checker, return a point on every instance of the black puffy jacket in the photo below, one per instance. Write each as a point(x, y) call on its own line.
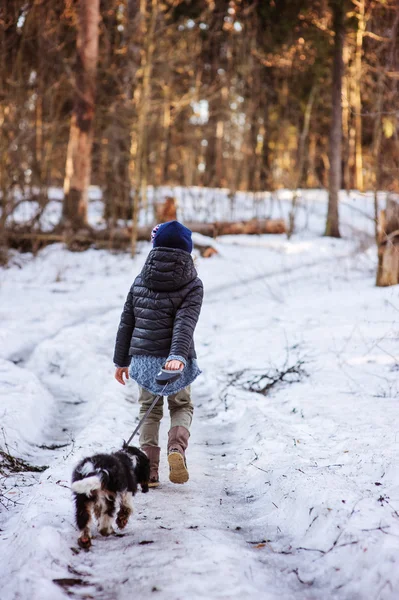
point(161, 309)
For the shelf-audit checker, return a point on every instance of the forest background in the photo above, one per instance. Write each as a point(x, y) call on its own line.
point(241, 94)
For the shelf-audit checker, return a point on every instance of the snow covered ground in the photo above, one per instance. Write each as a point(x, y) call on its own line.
point(293, 495)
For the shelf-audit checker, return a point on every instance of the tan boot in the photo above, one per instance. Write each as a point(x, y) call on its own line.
point(153, 453)
point(177, 444)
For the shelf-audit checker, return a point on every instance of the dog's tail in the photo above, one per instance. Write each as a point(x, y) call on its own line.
point(87, 485)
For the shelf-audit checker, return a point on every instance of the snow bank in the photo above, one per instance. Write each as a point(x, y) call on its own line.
point(25, 408)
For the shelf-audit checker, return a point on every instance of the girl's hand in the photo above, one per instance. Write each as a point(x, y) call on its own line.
point(174, 365)
point(120, 372)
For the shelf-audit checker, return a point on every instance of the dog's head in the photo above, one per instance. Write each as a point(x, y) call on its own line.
point(141, 465)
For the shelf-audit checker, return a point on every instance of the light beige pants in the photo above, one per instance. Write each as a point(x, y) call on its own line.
point(181, 414)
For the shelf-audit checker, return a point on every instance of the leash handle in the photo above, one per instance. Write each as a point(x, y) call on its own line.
point(166, 376)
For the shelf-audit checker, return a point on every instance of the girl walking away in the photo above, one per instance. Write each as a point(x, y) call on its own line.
point(156, 330)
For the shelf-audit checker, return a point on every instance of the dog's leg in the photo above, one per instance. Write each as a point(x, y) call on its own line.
point(125, 510)
point(83, 506)
point(98, 507)
point(107, 516)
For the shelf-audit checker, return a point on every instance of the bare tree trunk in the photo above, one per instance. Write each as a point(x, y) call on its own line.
point(311, 175)
point(166, 135)
point(346, 118)
point(335, 176)
point(117, 188)
point(78, 163)
point(376, 147)
point(253, 92)
point(265, 175)
point(214, 174)
point(214, 55)
point(388, 245)
point(361, 28)
point(140, 167)
point(351, 167)
point(301, 158)
point(252, 146)
point(377, 133)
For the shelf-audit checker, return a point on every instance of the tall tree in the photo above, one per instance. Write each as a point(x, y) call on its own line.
point(78, 163)
point(335, 174)
point(139, 164)
point(215, 57)
point(361, 28)
point(119, 61)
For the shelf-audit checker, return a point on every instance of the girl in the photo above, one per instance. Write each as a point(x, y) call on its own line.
point(156, 330)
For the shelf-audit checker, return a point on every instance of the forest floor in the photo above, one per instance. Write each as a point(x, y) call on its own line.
point(292, 495)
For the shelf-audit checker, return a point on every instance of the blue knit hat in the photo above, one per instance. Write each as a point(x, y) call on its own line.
point(172, 235)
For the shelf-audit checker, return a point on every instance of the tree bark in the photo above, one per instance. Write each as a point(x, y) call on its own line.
point(265, 179)
point(252, 146)
point(346, 120)
point(214, 174)
point(361, 28)
point(78, 163)
point(166, 134)
point(377, 130)
point(253, 93)
point(301, 158)
point(335, 176)
point(117, 188)
point(214, 56)
point(311, 177)
point(388, 245)
point(140, 166)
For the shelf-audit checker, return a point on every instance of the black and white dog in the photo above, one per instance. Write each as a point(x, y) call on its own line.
point(101, 481)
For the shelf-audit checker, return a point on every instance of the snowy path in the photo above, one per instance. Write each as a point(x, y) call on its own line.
point(295, 495)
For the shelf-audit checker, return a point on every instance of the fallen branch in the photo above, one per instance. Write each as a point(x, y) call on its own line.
point(23, 238)
point(11, 464)
point(262, 382)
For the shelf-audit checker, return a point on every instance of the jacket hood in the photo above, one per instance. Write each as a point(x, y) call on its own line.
point(168, 269)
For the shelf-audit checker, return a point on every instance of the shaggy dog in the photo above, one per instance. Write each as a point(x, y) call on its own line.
point(100, 482)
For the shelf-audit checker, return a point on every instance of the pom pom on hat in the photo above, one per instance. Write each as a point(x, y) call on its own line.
point(172, 235)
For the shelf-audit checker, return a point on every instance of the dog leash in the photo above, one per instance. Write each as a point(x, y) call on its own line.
point(164, 377)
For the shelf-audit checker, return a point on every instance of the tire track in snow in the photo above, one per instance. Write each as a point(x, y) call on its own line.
point(22, 356)
point(70, 409)
point(214, 292)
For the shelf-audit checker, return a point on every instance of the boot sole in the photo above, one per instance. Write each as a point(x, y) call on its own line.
point(153, 484)
point(177, 469)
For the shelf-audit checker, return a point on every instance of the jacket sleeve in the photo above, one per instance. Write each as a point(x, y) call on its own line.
point(185, 321)
point(124, 334)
